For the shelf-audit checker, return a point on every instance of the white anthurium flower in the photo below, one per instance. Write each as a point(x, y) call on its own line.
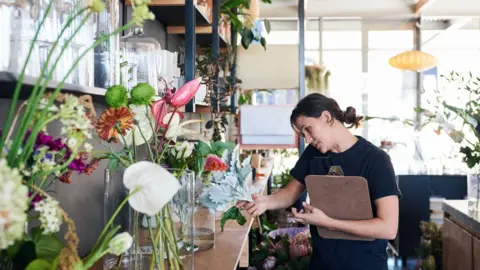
point(120, 243)
point(176, 129)
point(156, 186)
point(144, 123)
point(184, 150)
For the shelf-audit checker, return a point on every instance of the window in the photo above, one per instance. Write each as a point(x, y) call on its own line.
point(341, 40)
point(312, 38)
point(392, 39)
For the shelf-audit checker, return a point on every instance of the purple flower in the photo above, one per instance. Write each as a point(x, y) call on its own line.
point(78, 165)
point(36, 199)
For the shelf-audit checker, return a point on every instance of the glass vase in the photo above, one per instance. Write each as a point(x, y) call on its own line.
point(165, 227)
point(106, 55)
point(473, 192)
point(203, 234)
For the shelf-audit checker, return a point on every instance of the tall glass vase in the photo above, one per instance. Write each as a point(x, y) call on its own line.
point(473, 194)
point(107, 54)
point(166, 230)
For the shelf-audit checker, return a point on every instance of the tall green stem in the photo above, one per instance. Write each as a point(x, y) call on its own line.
point(152, 236)
point(18, 86)
point(34, 99)
point(29, 114)
point(95, 246)
point(37, 127)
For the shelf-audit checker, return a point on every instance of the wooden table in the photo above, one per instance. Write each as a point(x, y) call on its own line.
point(231, 245)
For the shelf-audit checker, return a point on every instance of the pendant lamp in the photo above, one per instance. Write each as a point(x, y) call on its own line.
point(413, 61)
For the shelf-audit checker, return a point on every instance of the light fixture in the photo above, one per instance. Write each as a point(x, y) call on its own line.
point(413, 61)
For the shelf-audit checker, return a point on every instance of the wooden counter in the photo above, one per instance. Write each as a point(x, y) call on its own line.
point(461, 236)
point(231, 244)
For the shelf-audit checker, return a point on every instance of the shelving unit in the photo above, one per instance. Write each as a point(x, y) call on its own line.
point(203, 35)
point(9, 80)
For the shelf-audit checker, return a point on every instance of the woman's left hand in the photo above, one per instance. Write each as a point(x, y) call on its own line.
point(313, 216)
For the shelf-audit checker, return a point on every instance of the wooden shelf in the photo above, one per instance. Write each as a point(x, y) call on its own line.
point(172, 13)
point(203, 35)
point(9, 80)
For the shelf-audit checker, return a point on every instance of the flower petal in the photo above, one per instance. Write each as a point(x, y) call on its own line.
point(186, 93)
point(157, 186)
point(159, 110)
point(145, 124)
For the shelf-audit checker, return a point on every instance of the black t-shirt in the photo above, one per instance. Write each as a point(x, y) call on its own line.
point(362, 159)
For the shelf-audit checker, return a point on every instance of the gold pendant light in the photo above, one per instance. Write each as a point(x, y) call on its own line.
point(413, 61)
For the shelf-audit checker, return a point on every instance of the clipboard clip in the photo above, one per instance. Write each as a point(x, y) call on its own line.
point(336, 171)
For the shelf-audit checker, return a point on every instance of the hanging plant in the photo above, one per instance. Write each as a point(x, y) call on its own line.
point(317, 78)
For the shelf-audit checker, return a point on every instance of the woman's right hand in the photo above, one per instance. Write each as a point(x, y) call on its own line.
point(255, 208)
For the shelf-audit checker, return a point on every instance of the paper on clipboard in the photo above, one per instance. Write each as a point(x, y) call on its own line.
point(340, 197)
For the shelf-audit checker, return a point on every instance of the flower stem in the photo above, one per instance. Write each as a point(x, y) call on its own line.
point(18, 86)
point(95, 246)
point(155, 251)
point(55, 169)
point(60, 85)
point(160, 240)
point(33, 101)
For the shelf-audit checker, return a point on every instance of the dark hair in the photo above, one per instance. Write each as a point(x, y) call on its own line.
point(315, 104)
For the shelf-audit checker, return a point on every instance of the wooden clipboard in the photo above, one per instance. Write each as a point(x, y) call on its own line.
point(340, 197)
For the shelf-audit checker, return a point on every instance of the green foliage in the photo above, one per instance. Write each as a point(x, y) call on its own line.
point(232, 214)
point(47, 246)
point(430, 249)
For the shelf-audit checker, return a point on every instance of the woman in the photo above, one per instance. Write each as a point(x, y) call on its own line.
point(321, 122)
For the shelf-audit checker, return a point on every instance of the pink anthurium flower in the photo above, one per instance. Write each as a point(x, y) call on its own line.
point(186, 93)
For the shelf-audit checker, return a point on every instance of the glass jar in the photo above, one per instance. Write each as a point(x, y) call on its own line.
point(473, 192)
point(172, 222)
point(143, 53)
point(106, 55)
point(20, 19)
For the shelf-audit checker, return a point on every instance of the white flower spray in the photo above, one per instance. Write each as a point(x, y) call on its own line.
point(50, 215)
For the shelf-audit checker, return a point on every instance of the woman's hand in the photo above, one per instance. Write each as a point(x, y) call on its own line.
point(313, 216)
point(255, 208)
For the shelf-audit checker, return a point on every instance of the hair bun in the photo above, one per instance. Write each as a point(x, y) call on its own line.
point(351, 118)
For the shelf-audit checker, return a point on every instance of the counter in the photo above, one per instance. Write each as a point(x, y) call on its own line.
point(231, 245)
point(461, 236)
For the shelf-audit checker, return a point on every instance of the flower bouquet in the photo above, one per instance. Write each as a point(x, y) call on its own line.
point(283, 249)
point(229, 187)
point(31, 160)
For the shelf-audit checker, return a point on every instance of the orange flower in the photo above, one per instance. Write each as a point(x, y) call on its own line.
point(114, 121)
point(214, 163)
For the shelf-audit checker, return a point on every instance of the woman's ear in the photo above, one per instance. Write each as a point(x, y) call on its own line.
point(327, 116)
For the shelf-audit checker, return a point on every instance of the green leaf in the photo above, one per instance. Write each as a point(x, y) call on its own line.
point(263, 41)
point(219, 147)
point(200, 164)
point(231, 213)
point(25, 255)
point(209, 124)
point(39, 264)
point(13, 249)
point(241, 219)
point(113, 164)
point(203, 149)
point(47, 246)
point(247, 37)
point(224, 120)
point(268, 26)
point(230, 4)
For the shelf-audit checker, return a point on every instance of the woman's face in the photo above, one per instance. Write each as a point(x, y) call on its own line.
point(316, 131)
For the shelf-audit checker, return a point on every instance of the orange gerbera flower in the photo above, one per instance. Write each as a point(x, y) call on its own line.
point(114, 121)
point(214, 163)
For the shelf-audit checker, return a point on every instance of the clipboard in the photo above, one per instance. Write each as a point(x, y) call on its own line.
point(340, 197)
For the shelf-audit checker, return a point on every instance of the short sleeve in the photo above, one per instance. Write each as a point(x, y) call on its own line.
point(382, 180)
point(302, 167)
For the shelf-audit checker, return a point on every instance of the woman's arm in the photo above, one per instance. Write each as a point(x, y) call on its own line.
point(286, 197)
point(384, 226)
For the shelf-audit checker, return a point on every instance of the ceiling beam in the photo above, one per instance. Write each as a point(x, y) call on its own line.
point(422, 5)
point(452, 26)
